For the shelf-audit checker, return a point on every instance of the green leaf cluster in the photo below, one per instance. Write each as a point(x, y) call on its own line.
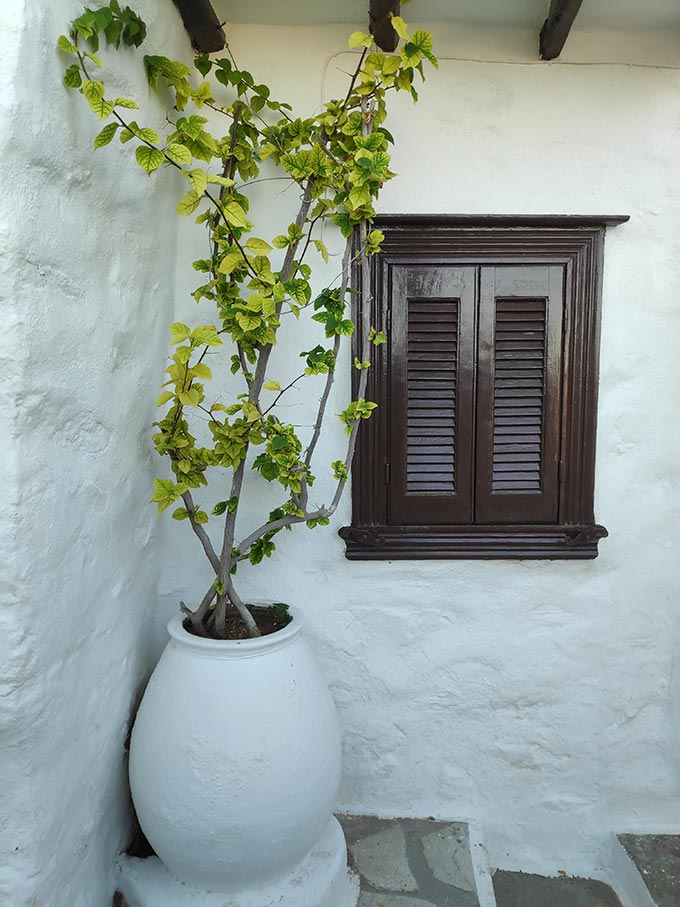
point(338, 160)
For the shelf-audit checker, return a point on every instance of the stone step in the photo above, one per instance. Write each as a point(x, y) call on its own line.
point(520, 889)
point(657, 860)
point(417, 863)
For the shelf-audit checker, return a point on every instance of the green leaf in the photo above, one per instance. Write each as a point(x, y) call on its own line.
point(94, 94)
point(106, 135)
point(72, 77)
point(359, 39)
point(93, 91)
point(203, 64)
point(180, 514)
point(271, 386)
point(201, 370)
point(198, 179)
point(279, 442)
point(149, 159)
point(148, 135)
point(164, 397)
point(127, 103)
point(235, 214)
point(219, 508)
point(200, 517)
point(65, 45)
point(321, 248)
point(346, 328)
point(230, 262)
point(178, 153)
point(166, 493)
point(179, 332)
point(95, 59)
point(399, 26)
point(102, 108)
point(220, 180)
point(206, 335)
point(202, 94)
point(113, 31)
point(258, 246)
point(248, 322)
point(188, 202)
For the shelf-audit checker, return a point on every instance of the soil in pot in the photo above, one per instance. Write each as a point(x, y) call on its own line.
point(269, 619)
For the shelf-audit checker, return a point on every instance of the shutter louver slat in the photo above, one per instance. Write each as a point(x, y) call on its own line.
point(432, 353)
point(518, 400)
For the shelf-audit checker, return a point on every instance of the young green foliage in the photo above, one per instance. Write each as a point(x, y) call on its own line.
point(337, 160)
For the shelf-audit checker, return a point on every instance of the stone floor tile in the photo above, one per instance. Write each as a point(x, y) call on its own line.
point(519, 889)
point(657, 858)
point(447, 852)
point(381, 860)
point(371, 899)
point(431, 889)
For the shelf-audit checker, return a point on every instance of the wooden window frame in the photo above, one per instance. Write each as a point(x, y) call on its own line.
point(577, 244)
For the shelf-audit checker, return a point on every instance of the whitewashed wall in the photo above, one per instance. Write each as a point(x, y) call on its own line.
point(540, 698)
point(87, 290)
point(537, 697)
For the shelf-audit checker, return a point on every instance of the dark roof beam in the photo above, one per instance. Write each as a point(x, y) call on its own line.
point(379, 23)
point(202, 25)
point(557, 26)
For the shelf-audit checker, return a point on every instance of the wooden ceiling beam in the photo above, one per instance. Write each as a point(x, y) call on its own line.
point(202, 25)
point(379, 23)
point(557, 26)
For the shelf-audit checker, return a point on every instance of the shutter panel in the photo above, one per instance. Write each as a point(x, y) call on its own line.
point(519, 394)
point(431, 394)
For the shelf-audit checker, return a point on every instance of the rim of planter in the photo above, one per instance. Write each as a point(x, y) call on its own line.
point(236, 648)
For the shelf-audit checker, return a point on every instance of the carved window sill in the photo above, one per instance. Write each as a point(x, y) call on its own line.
point(478, 542)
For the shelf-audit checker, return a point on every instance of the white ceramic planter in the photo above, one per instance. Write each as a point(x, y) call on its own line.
point(235, 759)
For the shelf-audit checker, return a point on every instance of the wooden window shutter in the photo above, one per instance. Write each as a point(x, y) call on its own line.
point(431, 385)
point(519, 393)
point(483, 442)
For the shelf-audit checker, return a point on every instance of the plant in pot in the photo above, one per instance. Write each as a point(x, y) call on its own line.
point(235, 751)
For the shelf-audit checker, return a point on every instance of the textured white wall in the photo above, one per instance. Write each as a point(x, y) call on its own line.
point(535, 696)
point(87, 287)
point(539, 697)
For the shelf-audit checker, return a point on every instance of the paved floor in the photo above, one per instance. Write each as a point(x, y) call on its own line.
point(657, 858)
point(520, 889)
point(411, 862)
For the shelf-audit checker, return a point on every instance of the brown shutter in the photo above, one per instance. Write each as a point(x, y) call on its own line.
point(519, 393)
point(431, 394)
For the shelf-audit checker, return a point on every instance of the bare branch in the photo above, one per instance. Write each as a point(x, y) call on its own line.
point(331, 374)
point(281, 393)
point(197, 617)
point(200, 532)
point(243, 611)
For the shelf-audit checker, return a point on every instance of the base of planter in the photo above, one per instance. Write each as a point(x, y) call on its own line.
point(321, 880)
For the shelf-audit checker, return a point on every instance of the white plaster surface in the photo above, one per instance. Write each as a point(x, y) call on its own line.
point(86, 293)
point(321, 880)
point(538, 697)
point(235, 761)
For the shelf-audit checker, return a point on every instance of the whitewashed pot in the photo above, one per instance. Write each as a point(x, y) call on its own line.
point(235, 759)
